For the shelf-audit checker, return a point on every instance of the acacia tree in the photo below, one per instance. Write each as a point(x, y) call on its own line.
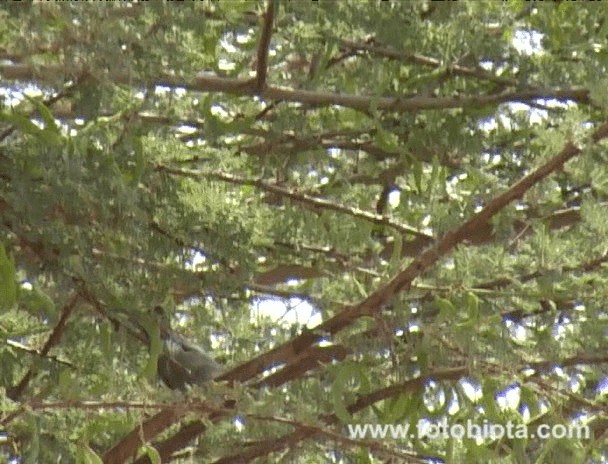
point(428, 180)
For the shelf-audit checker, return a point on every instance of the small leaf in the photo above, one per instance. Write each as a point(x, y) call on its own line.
point(152, 454)
point(33, 443)
point(8, 285)
point(417, 174)
point(38, 303)
point(396, 408)
point(49, 121)
point(473, 306)
point(360, 288)
point(89, 456)
point(447, 311)
point(396, 254)
point(387, 140)
point(22, 123)
point(347, 371)
point(156, 346)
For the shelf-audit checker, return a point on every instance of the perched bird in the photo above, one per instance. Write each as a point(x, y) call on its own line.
point(181, 362)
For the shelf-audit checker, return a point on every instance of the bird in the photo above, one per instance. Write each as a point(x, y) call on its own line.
point(182, 363)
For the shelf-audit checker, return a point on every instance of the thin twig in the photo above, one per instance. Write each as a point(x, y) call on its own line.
point(306, 200)
point(15, 392)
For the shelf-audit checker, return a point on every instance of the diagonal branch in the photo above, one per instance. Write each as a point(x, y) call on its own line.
point(374, 302)
point(15, 392)
point(38, 353)
point(275, 444)
point(288, 441)
point(153, 426)
point(320, 432)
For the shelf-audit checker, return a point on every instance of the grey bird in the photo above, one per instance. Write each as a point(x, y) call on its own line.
point(182, 363)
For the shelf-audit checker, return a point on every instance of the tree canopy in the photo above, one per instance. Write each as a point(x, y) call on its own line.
point(370, 212)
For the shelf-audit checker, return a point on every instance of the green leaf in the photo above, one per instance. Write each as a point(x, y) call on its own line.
point(396, 408)
point(156, 346)
point(395, 261)
point(38, 303)
point(417, 173)
point(152, 454)
point(519, 450)
point(87, 455)
point(360, 288)
point(387, 140)
point(447, 311)
point(106, 344)
point(24, 124)
point(33, 443)
point(473, 306)
point(346, 373)
point(47, 117)
point(8, 281)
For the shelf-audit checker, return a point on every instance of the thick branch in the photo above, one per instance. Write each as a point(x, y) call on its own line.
point(290, 440)
point(402, 280)
point(213, 83)
point(128, 445)
point(372, 304)
point(262, 56)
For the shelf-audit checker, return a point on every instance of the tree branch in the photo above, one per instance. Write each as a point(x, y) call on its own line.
point(245, 86)
point(14, 393)
point(262, 55)
point(275, 444)
point(423, 262)
point(311, 202)
point(373, 48)
point(372, 304)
